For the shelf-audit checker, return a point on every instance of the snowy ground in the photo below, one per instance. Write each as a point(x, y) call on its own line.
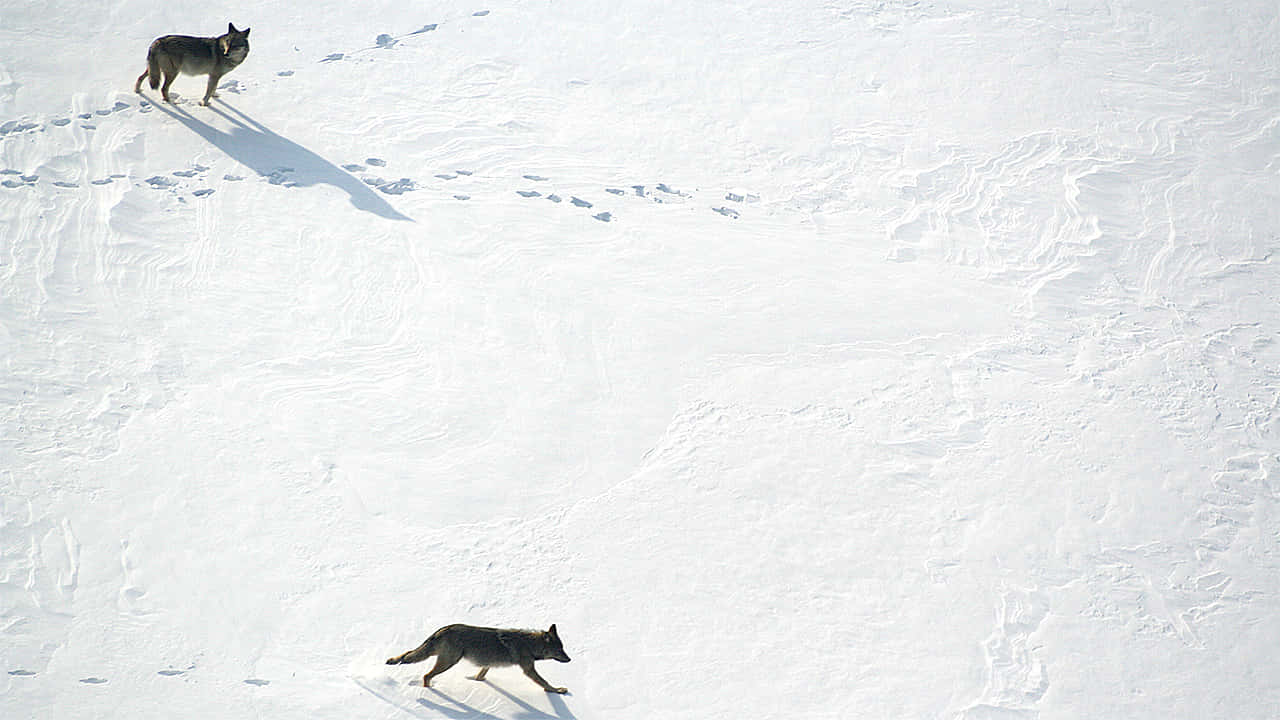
point(845, 359)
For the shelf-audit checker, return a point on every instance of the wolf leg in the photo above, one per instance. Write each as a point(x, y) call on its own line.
point(168, 80)
point(527, 667)
point(480, 675)
point(445, 659)
point(210, 90)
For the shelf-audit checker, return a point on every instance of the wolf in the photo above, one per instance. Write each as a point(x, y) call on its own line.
point(212, 56)
point(488, 647)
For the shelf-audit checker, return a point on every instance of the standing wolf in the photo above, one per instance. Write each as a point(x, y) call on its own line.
point(212, 56)
point(488, 647)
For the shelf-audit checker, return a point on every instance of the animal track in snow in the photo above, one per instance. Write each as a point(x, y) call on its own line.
point(664, 194)
point(256, 681)
point(93, 680)
point(25, 126)
point(21, 673)
point(387, 41)
point(397, 187)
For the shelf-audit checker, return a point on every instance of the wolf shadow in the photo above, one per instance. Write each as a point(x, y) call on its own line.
point(255, 146)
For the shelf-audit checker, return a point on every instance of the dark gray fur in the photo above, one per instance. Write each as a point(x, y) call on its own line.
point(488, 647)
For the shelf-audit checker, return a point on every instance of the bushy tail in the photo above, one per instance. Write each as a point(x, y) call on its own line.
point(153, 68)
point(418, 654)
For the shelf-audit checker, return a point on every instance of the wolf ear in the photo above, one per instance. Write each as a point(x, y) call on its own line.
point(246, 32)
point(552, 631)
point(231, 28)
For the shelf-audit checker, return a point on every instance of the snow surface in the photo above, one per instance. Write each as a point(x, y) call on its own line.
point(843, 359)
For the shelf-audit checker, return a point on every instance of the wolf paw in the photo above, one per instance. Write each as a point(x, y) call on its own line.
point(560, 691)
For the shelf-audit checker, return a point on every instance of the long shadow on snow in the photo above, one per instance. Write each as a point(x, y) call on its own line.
point(253, 145)
point(450, 707)
point(529, 711)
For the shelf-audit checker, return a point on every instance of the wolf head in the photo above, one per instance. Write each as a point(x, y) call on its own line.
point(235, 44)
point(552, 648)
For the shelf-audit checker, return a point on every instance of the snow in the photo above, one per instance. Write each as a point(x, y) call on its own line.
point(845, 359)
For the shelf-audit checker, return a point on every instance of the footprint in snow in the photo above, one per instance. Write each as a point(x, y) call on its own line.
point(480, 13)
point(281, 176)
point(398, 187)
point(93, 680)
point(18, 126)
point(257, 682)
point(385, 41)
point(528, 193)
point(21, 181)
point(425, 28)
point(21, 673)
point(376, 162)
point(579, 202)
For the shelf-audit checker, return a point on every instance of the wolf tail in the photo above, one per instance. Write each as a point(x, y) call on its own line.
point(418, 654)
point(153, 66)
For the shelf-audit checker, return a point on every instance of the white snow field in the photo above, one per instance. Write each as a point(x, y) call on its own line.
point(798, 359)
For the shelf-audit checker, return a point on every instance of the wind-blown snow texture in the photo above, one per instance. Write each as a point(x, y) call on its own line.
point(897, 359)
